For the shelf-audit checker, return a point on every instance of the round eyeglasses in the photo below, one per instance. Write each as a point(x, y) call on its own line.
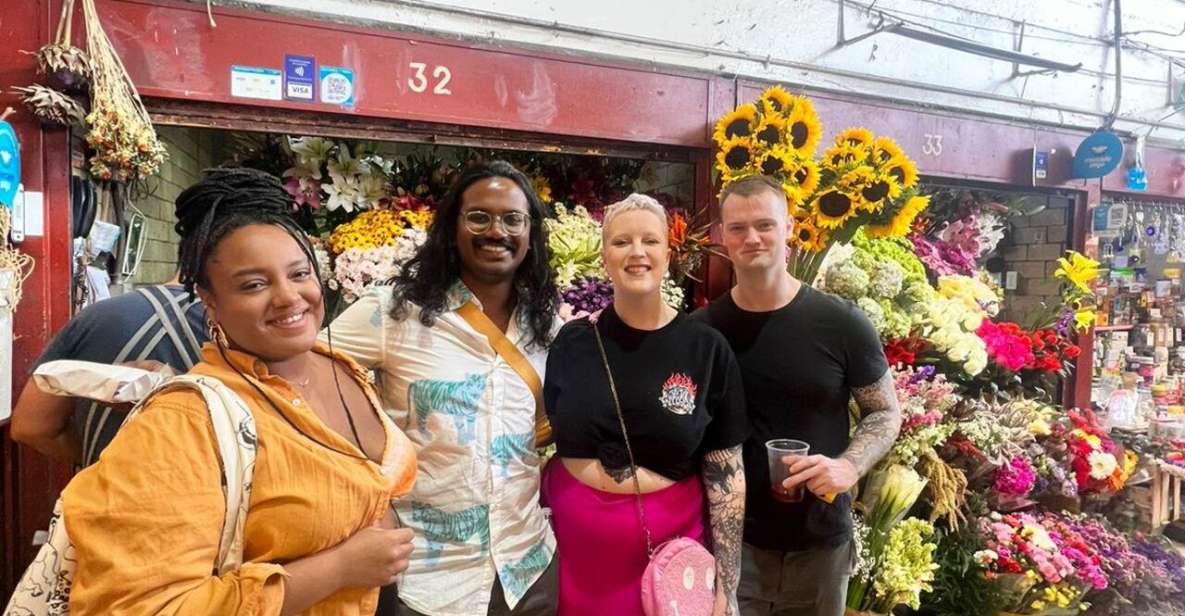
point(513, 223)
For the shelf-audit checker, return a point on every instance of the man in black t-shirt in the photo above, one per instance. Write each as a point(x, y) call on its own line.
point(802, 354)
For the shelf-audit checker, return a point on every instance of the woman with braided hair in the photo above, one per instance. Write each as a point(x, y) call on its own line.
point(319, 538)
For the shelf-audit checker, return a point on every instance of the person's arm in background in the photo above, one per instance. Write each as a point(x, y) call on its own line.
point(42, 421)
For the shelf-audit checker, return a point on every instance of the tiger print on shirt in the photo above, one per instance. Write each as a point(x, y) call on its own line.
point(457, 399)
point(444, 527)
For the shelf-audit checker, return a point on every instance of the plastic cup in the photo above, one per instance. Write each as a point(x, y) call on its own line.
point(778, 470)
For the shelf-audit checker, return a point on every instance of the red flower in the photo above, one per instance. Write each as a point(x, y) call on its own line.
point(1071, 351)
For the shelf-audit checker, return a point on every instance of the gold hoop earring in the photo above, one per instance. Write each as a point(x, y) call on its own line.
point(217, 334)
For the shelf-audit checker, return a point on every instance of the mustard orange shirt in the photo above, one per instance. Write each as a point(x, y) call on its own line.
point(146, 519)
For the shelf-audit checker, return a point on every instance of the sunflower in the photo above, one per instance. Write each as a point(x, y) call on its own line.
point(845, 154)
point(737, 156)
point(902, 221)
point(855, 136)
point(903, 170)
point(800, 214)
point(805, 176)
point(884, 150)
point(882, 189)
point(770, 130)
point(806, 236)
point(777, 101)
point(857, 178)
point(833, 207)
point(803, 129)
point(740, 122)
point(778, 162)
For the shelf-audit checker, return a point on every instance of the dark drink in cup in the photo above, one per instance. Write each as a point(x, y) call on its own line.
point(779, 471)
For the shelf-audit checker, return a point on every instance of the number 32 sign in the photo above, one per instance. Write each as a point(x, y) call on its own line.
point(419, 81)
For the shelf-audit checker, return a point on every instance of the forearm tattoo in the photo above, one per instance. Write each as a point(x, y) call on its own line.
point(724, 482)
point(879, 424)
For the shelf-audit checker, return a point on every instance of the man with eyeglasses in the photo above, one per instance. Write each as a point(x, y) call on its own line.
point(460, 344)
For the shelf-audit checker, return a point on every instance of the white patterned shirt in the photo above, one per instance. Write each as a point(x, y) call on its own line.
point(475, 505)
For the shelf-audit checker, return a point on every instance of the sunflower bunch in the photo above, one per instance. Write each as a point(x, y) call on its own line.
point(777, 135)
point(869, 179)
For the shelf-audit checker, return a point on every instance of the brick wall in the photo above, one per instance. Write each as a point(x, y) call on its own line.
point(190, 151)
point(1031, 249)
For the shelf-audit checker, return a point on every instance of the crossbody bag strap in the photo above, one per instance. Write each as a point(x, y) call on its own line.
point(625, 435)
point(517, 361)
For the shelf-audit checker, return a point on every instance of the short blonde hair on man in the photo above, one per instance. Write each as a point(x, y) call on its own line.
point(633, 203)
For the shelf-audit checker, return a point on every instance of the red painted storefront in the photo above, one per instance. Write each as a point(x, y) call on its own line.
point(419, 88)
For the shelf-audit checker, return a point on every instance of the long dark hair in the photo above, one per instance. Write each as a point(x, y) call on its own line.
point(425, 279)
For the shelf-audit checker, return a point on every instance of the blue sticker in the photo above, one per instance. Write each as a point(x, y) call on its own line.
point(10, 164)
point(300, 76)
point(337, 86)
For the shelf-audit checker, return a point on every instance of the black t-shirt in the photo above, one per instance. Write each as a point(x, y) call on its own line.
point(679, 386)
point(799, 364)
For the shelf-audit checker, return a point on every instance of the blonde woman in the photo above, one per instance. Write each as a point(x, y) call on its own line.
point(681, 402)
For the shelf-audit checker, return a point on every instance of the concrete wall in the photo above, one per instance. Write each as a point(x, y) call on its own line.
point(795, 41)
point(190, 151)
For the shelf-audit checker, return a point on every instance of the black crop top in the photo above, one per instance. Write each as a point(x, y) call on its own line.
point(680, 389)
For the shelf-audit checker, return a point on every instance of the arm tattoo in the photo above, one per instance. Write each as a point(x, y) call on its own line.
point(879, 425)
point(723, 475)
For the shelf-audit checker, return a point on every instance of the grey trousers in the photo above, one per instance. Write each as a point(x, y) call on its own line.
point(807, 583)
point(542, 599)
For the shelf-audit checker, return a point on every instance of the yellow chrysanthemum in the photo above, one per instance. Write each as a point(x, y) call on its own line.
point(902, 221)
point(803, 130)
point(844, 155)
point(740, 122)
point(737, 157)
point(370, 229)
point(884, 150)
point(855, 136)
point(771, 130)
point(904, 171)
point(833, 207)
point(777, 101)
point(806, 176)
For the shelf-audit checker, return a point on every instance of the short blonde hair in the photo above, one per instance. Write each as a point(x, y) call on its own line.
point(634, 203)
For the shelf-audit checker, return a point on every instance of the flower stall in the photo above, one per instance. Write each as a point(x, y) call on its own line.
point(995, 498)
point(368, 207)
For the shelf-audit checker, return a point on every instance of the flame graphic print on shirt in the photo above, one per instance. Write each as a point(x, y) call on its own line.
point(678, 394)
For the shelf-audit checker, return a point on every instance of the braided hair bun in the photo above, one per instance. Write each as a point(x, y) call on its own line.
point(223, 201)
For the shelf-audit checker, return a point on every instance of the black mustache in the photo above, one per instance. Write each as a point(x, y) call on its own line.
point(507, 244)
